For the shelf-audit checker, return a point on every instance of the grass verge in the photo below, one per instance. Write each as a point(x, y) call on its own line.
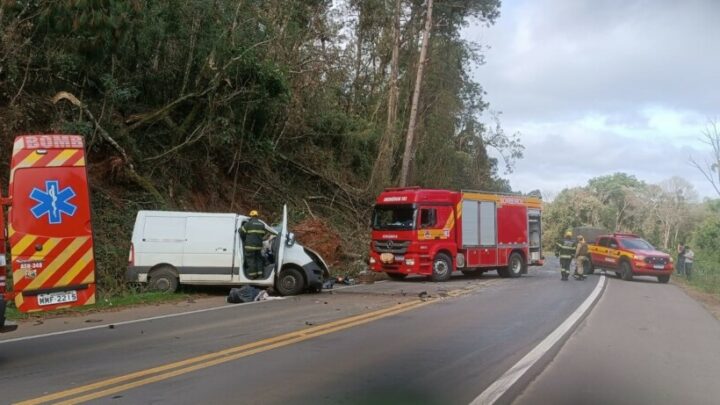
point(104, 303)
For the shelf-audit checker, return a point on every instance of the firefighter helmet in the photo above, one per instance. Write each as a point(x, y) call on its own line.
point(253, 213)
point(568, 234)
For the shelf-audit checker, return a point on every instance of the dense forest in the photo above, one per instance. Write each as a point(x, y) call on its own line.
point(229, 105)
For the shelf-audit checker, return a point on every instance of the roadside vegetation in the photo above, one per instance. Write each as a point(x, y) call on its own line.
point(229, 106)
point(107, 302)
point(666, 214)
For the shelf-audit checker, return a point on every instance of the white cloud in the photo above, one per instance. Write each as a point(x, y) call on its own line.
point(599, 87)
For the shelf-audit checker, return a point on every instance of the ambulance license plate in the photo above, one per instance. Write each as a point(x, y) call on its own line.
point(57, 298)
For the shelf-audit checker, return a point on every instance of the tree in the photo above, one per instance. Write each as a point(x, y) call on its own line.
point(615, 193)
point(380, 176)
point(407, 154)
point(710, 169)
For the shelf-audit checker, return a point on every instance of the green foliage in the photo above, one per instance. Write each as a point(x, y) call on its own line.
point(230, 104)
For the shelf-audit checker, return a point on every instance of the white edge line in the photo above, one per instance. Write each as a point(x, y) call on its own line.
point(153, 318)
point(501, 385)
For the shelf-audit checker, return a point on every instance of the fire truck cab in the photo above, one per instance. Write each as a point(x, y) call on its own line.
point(435, 232)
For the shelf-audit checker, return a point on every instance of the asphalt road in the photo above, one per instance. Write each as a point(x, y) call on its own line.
point(377, 343)
point(643, 343)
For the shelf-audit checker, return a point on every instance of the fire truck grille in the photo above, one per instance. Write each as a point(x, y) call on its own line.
point(391, 246)
point(656, 260)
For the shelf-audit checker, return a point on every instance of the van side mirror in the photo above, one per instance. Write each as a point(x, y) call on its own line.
point(290, 239)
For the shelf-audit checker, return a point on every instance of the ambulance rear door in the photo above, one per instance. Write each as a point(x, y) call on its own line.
point(50, 231)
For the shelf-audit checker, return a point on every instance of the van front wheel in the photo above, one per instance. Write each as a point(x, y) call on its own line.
point(163, 279)
point(290, 282)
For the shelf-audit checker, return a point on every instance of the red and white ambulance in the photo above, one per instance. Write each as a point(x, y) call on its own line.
point(48, 228)
point(435, 232)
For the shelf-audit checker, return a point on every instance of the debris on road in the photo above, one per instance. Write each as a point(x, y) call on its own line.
point(366, 277)
point(243, 294)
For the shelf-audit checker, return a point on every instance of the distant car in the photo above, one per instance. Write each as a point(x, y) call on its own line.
point(172, 248)
point(629, 255)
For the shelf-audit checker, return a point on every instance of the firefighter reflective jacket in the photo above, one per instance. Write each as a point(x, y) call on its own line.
point(566, 249)
point(252, 233)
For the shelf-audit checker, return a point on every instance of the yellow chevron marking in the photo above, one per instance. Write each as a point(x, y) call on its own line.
point(89, 279)
point(11, 230)
point(450, 222)
point(27, 162)
point(63, 157)
point(56, 264)
point(76, 268)
point(24, 243)
point(19, 300)
point(80, 162)
point(47, 247)
point(18, 146)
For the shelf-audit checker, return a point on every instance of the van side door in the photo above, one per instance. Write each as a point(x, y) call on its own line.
point(208, 252)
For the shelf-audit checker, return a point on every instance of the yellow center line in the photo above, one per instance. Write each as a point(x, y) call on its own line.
point(170, 370)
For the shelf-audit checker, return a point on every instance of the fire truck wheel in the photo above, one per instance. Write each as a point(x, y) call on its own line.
point(663, 279)
point(516, 266)
point(442, 268)
point(626, 271)
point(163, 279)
point(397, 276)
point(290, 282)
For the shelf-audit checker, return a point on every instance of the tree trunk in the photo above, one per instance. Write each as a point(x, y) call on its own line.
point(407, 155)
point(381, 169)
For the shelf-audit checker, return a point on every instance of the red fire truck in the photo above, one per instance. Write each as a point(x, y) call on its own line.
point(435, 232)
point(49, 230)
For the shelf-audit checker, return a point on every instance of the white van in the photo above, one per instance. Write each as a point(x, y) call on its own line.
point(171, 248)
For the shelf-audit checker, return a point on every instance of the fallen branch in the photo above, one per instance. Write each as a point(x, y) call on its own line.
point(143, 182)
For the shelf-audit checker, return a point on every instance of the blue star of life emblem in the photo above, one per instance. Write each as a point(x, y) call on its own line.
point(53, 202)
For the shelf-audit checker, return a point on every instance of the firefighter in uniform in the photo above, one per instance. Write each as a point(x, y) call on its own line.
point(581, 253)
point(252, 234)
point(565, 250)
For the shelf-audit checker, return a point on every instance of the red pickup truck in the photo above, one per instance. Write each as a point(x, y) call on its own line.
point(629, 255)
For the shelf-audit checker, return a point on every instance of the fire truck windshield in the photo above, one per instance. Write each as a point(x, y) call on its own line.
point(394, 217)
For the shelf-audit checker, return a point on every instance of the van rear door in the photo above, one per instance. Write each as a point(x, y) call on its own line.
point(50, 231)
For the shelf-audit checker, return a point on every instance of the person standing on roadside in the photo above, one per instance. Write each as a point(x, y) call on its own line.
point(680, 267)
point(565, 249)
point(689, 259)
point(581, 252)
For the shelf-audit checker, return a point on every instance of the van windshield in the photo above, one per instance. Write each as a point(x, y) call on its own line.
point(394, 217)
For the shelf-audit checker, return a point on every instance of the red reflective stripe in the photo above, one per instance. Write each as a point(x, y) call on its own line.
point(21, 156)
point(84, 273)
point(30, 250)
point(62, 270)
point(48, 157)
point(23, 282)
point(74, 159)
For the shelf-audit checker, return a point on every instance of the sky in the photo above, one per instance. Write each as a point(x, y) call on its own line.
point(597, 87)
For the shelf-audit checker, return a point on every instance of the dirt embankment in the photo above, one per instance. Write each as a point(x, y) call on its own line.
point(320, 237)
